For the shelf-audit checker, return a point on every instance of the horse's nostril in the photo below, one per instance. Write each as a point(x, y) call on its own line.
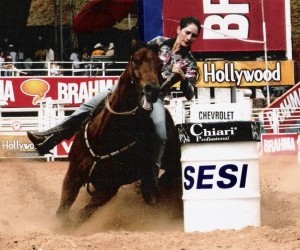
point(151, 92)
point(147, 89)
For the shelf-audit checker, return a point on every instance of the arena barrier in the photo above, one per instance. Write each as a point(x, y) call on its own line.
point(15, 121)
point(220, 167)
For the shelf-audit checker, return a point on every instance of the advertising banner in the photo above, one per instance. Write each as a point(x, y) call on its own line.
point(218, 132)
point(63, 148)
point(246, 73)
point(220, 112)
point(279, 144)
point(230, 25)
point(16, 146)
point(28, 91)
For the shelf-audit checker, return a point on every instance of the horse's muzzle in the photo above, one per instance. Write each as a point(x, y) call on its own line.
point(150, 96)
point(151, 92)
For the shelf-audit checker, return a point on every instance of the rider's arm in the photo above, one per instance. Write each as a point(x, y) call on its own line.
point(188, 83)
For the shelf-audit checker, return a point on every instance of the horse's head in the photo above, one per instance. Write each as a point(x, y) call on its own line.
point(145, 70)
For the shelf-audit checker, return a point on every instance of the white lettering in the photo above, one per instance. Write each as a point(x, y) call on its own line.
point(279, 144)
point(79, 93)
point(216, 115)
point(62, 89)
point(209, 74)
point(16, 145)
point(66, 146)
point(224, 7)
point(234, 25)
point(288, 106)
point(228, 27)
point(7, 90)
point(230, 74)
point(83, 93)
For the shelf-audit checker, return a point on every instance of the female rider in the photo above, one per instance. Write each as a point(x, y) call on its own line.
point(178, 64)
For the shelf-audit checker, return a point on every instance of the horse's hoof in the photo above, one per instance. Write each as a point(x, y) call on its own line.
point(151, 197)
point(65, 222)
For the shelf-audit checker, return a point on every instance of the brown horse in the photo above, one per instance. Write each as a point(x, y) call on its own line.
point(115, 147)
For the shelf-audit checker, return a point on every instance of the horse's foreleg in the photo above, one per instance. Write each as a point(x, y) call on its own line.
point(70, 189)
point(149, 184)
point(99, 198)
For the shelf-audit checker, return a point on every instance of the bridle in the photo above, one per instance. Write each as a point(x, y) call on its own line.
point(98, 158)
point(107, 105)
point(133, 81)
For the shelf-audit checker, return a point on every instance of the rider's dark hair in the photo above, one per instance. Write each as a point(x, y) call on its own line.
point(185, 21)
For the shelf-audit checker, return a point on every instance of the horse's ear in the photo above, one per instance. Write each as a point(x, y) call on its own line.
point(153, 47)
point(137, 46)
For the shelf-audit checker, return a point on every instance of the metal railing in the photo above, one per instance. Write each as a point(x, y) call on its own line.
point(275, 120)
point(95, 67)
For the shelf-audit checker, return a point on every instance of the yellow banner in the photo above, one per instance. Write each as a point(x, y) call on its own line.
point(246, 73)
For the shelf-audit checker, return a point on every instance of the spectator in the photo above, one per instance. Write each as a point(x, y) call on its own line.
point(85, 55)
point(12, 70)
point(98, 50)
point(28, 64)
point(40, 58)
point(2, 60)
point(86, 58)
point(74, 57)
point(12, 53)
point(49, 56)
point(111, 50)
point(55, 69)
point(133, 42)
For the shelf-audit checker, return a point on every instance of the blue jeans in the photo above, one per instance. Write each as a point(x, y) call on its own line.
point(157, 115)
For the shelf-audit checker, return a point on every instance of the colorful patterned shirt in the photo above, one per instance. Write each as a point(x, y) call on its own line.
point(184, 57)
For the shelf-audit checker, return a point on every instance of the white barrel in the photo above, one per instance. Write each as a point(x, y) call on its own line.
point(221, 187)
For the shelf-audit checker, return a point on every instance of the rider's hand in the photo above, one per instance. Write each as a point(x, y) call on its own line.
point(177, 69)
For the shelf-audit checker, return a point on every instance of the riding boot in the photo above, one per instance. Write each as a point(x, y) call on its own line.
point(47, 140)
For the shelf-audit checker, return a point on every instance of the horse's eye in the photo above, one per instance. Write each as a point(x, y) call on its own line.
point(137, 61)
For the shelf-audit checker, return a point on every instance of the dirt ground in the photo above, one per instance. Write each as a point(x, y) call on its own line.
point(30, 192)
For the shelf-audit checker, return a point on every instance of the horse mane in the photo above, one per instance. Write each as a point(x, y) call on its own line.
point(123, 89)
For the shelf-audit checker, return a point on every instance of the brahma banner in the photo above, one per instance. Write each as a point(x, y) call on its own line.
point(28, 91)
point(230, 25)
point(279, 144)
